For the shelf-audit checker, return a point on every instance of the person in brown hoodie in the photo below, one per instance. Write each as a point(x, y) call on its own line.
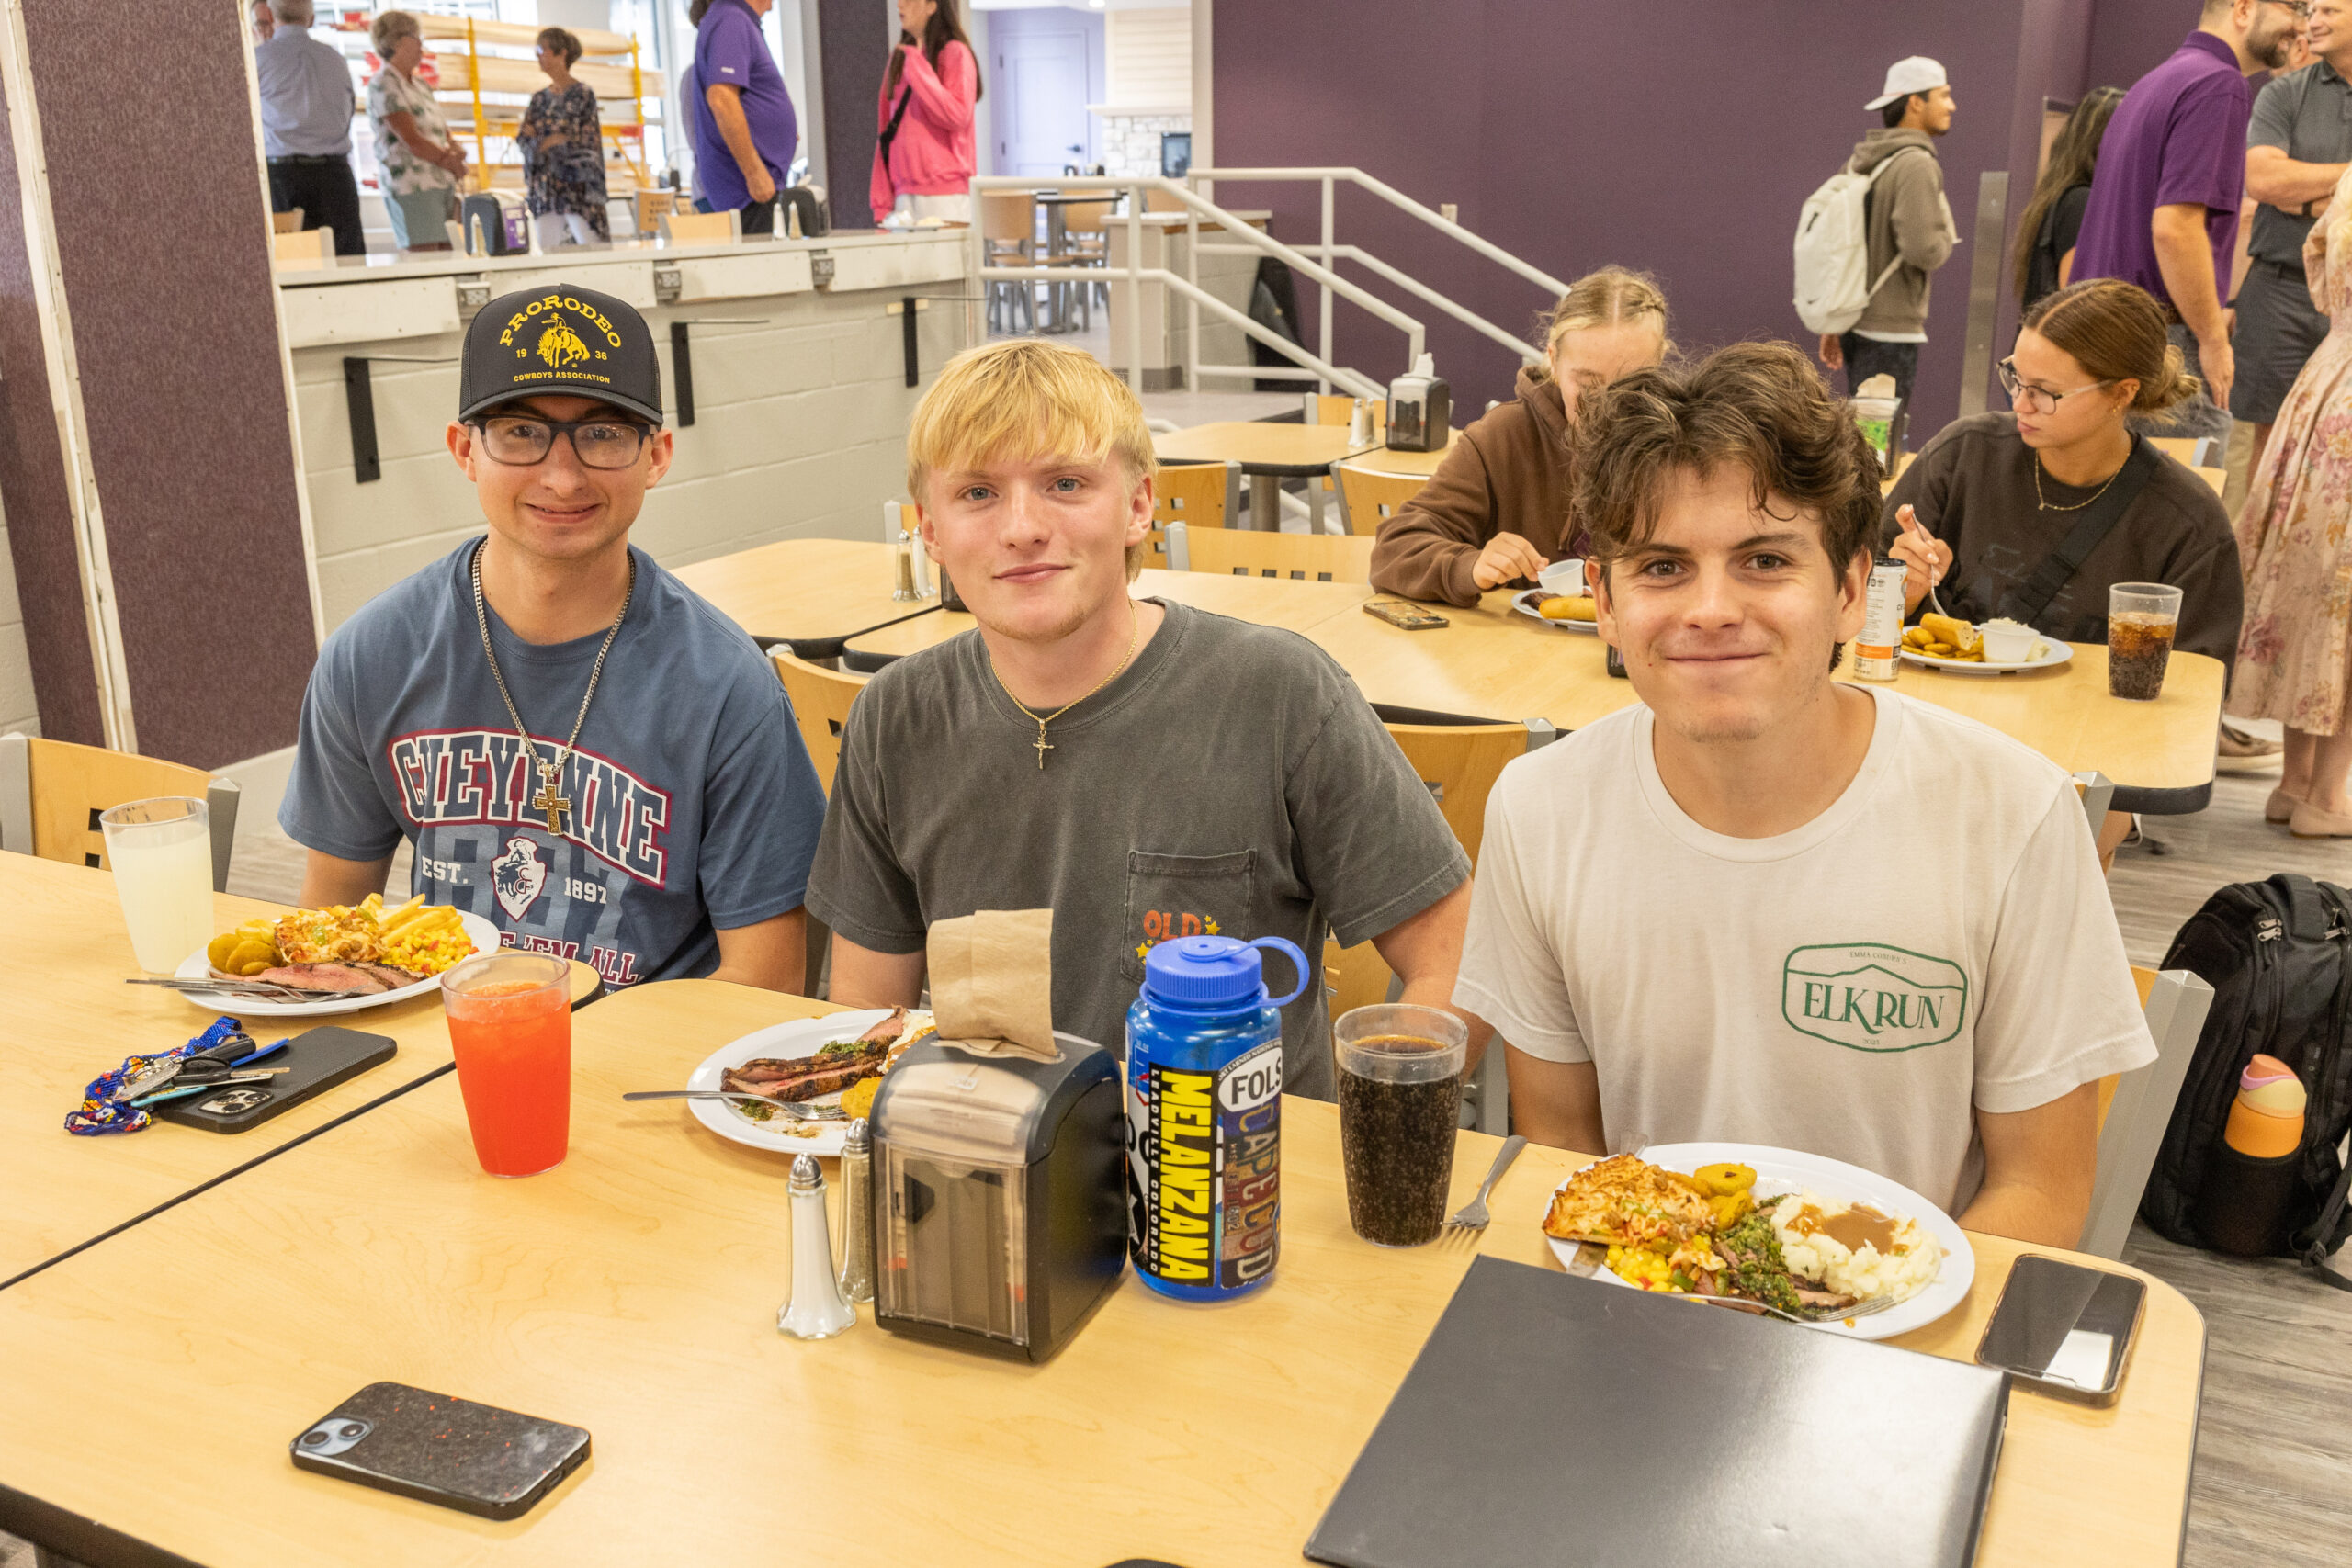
point(1496, 511)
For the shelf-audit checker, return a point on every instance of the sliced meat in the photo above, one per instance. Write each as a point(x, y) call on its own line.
point(886, 1030)
point(1826, 1300)
point(393, 979)
point(323, 977)
point(805, 1077)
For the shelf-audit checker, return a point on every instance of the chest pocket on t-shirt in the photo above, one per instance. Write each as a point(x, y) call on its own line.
point(1173, 896)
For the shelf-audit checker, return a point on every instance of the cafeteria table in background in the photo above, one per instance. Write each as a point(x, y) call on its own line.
point(634, 1289)
point(1269, 451)
point(808, 592)
point(64, 955)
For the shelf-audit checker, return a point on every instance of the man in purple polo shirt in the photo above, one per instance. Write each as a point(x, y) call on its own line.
point(745, 131)
point(2164, 206)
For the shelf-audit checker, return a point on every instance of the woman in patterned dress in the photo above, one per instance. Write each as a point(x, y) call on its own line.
point(563, 150)
point(418, 163)
point(2292, 539)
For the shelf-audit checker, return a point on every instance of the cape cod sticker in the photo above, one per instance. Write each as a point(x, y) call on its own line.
point(1868, 997)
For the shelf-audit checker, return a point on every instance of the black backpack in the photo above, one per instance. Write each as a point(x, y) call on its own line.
point(2278, 957)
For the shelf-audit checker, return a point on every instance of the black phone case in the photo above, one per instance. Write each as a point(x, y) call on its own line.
point(2049, 1292)
point(475, 1458)
point(316, 1061)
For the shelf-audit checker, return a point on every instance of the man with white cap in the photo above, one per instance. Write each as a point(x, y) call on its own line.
point(1909, 222)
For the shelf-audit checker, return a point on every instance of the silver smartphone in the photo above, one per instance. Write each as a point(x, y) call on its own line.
point(2065, 1329)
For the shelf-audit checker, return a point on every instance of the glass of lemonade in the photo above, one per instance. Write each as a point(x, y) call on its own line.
point(1400, 1100)
point(510, 1027)
point(161, 851)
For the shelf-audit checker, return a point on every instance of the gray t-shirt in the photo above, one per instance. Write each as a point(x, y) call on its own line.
point(2307, 115)
point(694, 804)
point(1232, 781)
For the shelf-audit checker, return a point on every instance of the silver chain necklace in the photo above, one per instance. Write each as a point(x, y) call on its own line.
point(550, 799)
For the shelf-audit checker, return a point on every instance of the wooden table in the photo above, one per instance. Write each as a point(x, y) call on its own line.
point(1269, 451)
point(802, 591)
point(63, 957)
point(634, 1290)
point(1389, 461)
point(1492, 662)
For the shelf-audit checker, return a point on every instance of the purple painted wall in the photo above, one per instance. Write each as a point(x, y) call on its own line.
point(2130, 38)
point(1575, 134)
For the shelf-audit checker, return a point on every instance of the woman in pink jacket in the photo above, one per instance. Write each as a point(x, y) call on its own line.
point(924, 161)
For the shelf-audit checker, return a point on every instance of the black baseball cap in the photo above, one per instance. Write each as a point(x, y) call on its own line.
point(562, 340)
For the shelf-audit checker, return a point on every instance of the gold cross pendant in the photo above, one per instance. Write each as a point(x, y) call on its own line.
point(550, 800)
point(1041, 748)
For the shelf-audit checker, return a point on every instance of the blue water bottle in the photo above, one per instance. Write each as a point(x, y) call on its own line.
point(1204, 1084)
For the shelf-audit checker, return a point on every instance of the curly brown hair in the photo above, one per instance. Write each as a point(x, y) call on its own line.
point(1758, 406)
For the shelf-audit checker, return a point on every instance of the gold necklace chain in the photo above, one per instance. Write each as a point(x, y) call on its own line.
point(2080, 504)
point(1135, 634)
point(551, 799)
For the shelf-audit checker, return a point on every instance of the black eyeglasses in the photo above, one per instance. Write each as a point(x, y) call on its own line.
point(524, 439)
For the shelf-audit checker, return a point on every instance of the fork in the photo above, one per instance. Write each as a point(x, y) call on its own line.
point(791, 1108)
point(1823, 1315)
point(1472, 1216)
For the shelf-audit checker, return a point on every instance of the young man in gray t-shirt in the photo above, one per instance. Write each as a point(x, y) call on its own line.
point(1145, 769)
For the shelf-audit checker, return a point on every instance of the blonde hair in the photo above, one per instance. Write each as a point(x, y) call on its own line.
point(1020, 400)
point(390, 27)
point(1613, 297)
point(2116, 332)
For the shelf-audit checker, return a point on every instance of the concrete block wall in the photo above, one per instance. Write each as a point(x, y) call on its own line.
point(1131, 142)
point(799, 432)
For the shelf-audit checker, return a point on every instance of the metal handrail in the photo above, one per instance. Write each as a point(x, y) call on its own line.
point(1135, 274)
point(1332, 251)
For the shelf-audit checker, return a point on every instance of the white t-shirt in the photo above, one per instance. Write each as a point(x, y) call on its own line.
point(1939, 938)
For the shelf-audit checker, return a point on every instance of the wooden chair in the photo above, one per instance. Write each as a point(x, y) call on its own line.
point(287, 222)
point(1337, 408)
point(821, 702)
point(1009, 233)
point(702, 228)
point(1241, 552)
point(302, 247)
point(1200, 495)
point(1367, 500)
point(2135, 1108)
point(1157, 200)
point(2189, 452)
point(51, 792)
point(2218, 478)
point(1086, 241)
point(1460, 763)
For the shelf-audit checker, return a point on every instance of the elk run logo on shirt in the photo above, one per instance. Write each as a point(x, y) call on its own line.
point(1870, 996)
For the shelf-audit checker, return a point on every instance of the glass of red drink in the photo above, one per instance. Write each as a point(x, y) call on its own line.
point(510, 1026)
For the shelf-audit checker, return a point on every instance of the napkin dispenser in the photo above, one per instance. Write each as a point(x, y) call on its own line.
point(495, 223)
point(999, 1209)
point(1420, 408)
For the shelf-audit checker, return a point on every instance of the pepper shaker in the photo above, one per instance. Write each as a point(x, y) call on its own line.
point(857, 1213)
point(817, 1310)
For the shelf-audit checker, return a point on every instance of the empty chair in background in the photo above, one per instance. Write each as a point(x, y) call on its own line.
point(1496, 513)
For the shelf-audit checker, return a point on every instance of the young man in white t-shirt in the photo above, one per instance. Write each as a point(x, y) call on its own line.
point(1768, 907)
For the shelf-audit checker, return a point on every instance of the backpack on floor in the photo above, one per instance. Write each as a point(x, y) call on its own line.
point(1833, 251)
point(2279, 956)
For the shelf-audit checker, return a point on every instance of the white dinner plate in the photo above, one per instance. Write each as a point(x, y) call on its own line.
point(1788, 1170)
point(1525, 601)
point(2054, 654)
point(799, 1037)
point(198, 966)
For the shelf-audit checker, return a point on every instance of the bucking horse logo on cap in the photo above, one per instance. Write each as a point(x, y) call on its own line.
point(559, 346)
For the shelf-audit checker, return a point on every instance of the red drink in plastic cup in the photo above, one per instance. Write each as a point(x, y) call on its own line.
point(510, 1027)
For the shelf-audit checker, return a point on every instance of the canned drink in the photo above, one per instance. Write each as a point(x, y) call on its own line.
point(1882, 622)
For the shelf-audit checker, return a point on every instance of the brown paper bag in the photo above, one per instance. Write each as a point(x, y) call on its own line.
point(992, 983)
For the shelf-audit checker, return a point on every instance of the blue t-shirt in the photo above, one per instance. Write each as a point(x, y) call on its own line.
point(730, 52)
point(694, 804)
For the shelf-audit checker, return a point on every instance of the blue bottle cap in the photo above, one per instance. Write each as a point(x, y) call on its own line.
point(1217, 972)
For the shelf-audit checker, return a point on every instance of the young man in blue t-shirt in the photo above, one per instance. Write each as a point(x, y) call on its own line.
point(582, 750)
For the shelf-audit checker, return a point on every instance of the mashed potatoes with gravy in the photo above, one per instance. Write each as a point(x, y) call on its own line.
point(1854, 1249)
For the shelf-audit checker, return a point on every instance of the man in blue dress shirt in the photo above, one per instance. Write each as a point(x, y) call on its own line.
point(306, 109)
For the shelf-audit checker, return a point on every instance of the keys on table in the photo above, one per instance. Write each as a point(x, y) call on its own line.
point(226, 1063)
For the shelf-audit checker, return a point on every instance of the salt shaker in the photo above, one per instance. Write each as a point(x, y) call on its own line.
point(857, 1213)
point(1360, 423)
point(817, 1310)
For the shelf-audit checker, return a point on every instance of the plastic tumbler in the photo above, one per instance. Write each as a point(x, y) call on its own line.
point(510, 1027)
point(161, 852)
point(2140, 620)
point(1400, 1102)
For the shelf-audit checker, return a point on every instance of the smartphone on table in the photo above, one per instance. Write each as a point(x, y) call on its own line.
point(1412, 617)
point(436, 1448)
point(2064, 1329)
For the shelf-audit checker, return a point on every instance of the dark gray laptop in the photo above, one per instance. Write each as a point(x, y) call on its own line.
point(1552, 1420)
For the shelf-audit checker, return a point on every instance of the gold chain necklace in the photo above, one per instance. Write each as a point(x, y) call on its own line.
point(2080, 504)
point(1135, 633)
point(550, 799)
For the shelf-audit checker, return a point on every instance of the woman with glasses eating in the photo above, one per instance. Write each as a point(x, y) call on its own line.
point(2033, 514)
